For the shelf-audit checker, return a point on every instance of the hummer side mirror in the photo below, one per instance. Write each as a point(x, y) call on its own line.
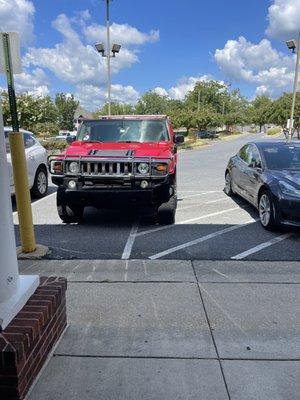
point(70, 139)
point(178, 139)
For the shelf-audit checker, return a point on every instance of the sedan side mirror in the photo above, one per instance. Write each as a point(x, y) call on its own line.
point(255, 164)
point(70, 139)
point(178, 139)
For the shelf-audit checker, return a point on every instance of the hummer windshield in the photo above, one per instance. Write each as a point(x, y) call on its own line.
point(141, 131)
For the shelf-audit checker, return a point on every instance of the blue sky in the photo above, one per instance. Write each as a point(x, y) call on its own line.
point(166, 46)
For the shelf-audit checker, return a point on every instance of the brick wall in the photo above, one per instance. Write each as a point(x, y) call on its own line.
point(28, 339)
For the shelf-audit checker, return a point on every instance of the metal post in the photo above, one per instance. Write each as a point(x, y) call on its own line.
point(19, 161)
point(295, 89)
point(199, 95)
point(108, 58)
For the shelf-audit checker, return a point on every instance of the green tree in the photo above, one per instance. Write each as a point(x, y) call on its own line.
point(32, 110)
point(209, 93)
point(260, 110)
point(66, 106)
point(116, 109)
point(281, 110)
point(206, 118)
point(152, 103)
point(183, 119)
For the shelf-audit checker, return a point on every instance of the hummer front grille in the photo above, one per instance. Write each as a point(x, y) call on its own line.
point(106, 168)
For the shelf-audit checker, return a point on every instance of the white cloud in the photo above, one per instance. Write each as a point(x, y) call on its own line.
point(35, 83)
point(184, 85)
point(78, 63)
point(284, 19)
point(123, 34)
point(17, 16)
point(161, 91)
point(72, 61)
point(92, 97)
point(257, 64)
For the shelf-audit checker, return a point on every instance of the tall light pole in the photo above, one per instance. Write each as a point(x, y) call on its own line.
point(108, 57)
point(292, 46)
point(109, 53)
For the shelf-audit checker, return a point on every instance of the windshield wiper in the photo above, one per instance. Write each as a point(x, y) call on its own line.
point(128, 141)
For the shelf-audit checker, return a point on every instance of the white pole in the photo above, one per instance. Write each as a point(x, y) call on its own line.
point(295, 88)
point(15, 289)
point(9, 275)
point(108, 58)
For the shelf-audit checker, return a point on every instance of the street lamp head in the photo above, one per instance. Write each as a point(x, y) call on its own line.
point(100, 48)
point(291, 44)
point(115, 48)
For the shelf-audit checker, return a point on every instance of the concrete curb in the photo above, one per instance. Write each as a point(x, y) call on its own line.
point(40, 252)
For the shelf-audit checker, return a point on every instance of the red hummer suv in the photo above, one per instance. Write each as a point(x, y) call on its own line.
point(118, 161)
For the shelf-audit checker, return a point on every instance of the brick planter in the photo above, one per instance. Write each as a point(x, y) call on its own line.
point(28, 339)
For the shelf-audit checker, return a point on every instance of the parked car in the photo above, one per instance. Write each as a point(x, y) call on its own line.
point(64, 135)
point(207, 135)
point(36, 157)
point(267, 174)
point(116, 162)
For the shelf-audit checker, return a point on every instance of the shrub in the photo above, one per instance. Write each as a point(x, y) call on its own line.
point(45, 129)
point(52, 144)
point(273, 131)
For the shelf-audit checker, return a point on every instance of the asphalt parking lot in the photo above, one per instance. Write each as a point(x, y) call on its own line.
point(209, 225)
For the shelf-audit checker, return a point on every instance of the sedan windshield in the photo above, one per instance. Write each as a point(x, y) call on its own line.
point(124, 131)
point(282, 157)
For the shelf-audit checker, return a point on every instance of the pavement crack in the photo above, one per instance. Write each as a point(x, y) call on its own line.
point(211, 332)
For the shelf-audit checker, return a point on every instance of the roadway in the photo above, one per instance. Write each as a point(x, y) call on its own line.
point(209, 225)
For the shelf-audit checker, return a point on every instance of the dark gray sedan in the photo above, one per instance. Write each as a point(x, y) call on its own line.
point(267, 174)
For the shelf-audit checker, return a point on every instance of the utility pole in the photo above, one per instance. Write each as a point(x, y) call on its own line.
point(108, 57)
point(291, 124)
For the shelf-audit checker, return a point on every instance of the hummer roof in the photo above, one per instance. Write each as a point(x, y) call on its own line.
point(134, 117)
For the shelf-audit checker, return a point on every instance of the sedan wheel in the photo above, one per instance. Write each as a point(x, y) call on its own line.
point(266, 211)
point(228, 185)
point(40, 186)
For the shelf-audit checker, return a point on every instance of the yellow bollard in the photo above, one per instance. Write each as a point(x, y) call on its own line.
point(22, 192)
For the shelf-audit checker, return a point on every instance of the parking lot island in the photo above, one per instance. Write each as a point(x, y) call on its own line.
point(29, 338)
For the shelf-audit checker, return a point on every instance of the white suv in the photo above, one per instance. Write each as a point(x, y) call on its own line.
point(36, 157)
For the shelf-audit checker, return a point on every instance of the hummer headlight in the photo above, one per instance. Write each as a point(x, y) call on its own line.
point(143, 168)
point(74, 167)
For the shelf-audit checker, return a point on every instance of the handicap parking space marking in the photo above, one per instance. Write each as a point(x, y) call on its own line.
point(202, 239)
point(262, 246)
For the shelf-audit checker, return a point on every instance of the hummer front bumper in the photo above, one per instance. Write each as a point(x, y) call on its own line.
point(117, 196)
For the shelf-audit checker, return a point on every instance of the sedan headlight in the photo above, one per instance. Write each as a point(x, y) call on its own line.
point(143, 168)
point(74, 167)
point(288, 189)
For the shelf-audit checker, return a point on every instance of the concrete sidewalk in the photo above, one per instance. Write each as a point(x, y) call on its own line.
point(151, 330)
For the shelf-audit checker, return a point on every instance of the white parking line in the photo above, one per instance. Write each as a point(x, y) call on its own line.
point(201, 239)
point(218, 200)
point(261, 246)
point(161, 228)
point(38, 201)
point(130, 241)
point(201, 204)
point(200, 194)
